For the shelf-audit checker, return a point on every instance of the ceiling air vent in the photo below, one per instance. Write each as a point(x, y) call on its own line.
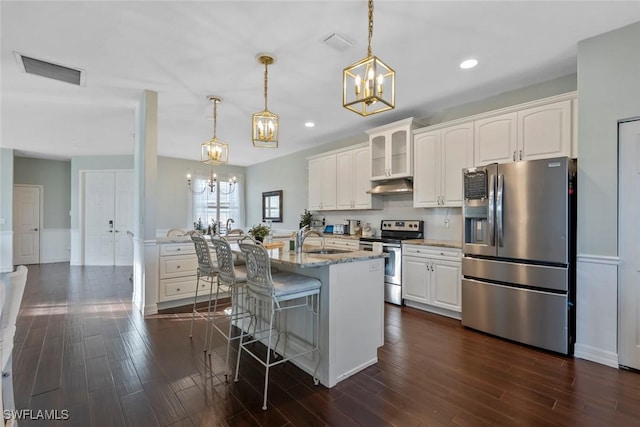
point(50, 70)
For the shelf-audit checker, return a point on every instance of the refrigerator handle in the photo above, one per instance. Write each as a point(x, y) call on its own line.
point(499, 210)
point(491, 214)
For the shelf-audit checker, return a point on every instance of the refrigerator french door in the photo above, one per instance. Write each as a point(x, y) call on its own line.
point(519, 247)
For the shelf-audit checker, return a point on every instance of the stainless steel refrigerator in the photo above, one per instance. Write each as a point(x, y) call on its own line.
point(519, 251)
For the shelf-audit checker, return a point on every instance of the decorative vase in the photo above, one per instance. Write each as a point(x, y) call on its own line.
point(260, 239)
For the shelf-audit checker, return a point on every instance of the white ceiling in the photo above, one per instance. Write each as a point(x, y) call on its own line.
point(188, 50)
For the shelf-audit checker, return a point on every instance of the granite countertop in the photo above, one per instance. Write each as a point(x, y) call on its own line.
point(306, 260)
point(453, 244)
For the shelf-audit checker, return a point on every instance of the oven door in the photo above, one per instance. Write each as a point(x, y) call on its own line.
point(392, 263)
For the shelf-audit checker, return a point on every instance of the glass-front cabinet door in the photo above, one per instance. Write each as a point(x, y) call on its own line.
point(379, 157)
point(391, 150)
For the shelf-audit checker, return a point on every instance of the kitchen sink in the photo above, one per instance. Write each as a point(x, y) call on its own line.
point(327, 251)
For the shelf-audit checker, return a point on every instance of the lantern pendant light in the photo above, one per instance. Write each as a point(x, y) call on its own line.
point(265, 123)
point(214, 151)
point(368, 86)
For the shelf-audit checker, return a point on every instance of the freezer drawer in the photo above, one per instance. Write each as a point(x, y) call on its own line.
point(529, 275)
point(530, 317)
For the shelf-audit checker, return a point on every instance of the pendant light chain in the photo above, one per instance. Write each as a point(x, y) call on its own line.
point(215, 117)
point(370, 26)
point(266, 62)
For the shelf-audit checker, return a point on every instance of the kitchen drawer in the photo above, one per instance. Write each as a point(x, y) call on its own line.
point(177, 266)
point(349, 244)
point(181, 287)
point(432, 252)
point(177, 249)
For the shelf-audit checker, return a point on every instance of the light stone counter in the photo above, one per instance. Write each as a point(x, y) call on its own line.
point(453, 244)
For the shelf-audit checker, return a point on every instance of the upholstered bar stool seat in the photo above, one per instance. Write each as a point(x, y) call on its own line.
point(272, 295)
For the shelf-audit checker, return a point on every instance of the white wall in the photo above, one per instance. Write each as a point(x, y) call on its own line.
point(6, 210)
point(608, 91)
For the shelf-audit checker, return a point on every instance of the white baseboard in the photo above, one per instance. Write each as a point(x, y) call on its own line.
point(433, 309)
point(608, 358)
point(150, 309)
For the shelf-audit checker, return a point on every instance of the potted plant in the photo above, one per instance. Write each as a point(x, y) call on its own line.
point(305, 218)
point(259, 232)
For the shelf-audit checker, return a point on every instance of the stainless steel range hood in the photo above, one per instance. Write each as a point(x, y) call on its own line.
point(395, 186)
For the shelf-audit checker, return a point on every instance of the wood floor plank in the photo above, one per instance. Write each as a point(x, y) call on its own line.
point(50, 365)
point(164, 401)
point(137, 410)
point(125, 377)
point(105, 408)
point(98, 373)
point(94, 346)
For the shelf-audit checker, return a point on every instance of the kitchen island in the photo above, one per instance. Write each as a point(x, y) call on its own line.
point(351, 310)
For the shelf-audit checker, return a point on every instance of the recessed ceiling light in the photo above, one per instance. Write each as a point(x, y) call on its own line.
point(309, 124)
point(468, 63)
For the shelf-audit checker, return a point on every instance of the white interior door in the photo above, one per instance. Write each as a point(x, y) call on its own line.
point(108, 216)
point(123, 218)
point(26, 217)
point(629, 245)
point(99, 222)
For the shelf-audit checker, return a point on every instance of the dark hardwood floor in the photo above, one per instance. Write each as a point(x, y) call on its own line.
point(81, 347)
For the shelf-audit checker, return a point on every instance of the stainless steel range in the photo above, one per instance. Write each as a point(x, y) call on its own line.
point(392, 233)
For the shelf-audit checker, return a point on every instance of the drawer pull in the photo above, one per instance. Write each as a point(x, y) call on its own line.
point(178, 249)
point(178, 289)
point(177, 266)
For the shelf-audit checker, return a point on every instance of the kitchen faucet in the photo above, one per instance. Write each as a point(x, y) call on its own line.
point(302, 234)
point(227, 226)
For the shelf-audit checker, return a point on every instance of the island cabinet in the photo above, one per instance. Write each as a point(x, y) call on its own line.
point(392, 150)
point(537, 132)
point(439, 157)
point(178, 266)
point(322, 183)
point(432, 279)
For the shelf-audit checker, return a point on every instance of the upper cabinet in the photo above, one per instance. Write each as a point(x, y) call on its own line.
point(354, 179)
point(391, 150)
point(440, 156)
point(322, 183)
point(339, 180)
point(538, 132)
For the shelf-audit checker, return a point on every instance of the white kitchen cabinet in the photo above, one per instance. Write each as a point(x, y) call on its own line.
point(432, 277)
point(545, 131)
point(539, 132)
point(322, 183)
point(391, 150)
point(354, 179)
point(178, 266)
point(439, 157)
point(496, 139)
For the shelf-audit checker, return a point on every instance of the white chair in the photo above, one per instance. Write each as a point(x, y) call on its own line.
point(232, 280)
point(13, 289)
point(207, 271)
point(175, 232)
point(274, 294)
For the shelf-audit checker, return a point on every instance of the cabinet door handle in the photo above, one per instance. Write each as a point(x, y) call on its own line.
point(520, 154)
point(514, 156)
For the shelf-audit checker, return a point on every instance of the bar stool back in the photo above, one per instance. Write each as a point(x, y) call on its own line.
point(207, 270)
point(231, 279)
point(275, 294)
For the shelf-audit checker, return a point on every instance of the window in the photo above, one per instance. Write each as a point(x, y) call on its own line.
point(219, 205)
point(272, 206)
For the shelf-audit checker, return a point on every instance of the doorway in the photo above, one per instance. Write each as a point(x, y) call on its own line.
point(108, 215)
point(629, 244)
point(27, 217)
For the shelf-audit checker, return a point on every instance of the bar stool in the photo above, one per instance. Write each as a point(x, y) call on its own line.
point(231, 279)
point(207, 271)
point(275, 294)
